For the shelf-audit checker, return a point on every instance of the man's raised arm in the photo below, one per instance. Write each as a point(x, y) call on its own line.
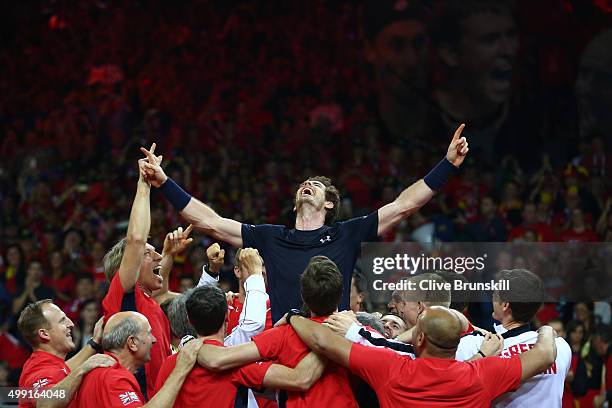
point(191, 209)
point(541, 356)
point(420, 192)
point(174, 243)
point(137, 233)
point(252, 319)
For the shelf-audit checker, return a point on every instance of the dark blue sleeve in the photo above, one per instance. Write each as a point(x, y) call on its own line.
point(362, 229)
point(258, 236)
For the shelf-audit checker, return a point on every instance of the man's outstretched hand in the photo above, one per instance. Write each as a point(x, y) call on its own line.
point(177, 241)
point(458, 148)
point(151, 167)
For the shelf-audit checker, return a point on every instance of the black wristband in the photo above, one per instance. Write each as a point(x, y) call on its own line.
point(293, 312)
point(178, 197)
point(209, 272)
point(97, 347)
point(439, 175)
point(481, 353)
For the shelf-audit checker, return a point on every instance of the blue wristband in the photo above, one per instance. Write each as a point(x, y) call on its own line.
point(439, 175)
point(178, 197)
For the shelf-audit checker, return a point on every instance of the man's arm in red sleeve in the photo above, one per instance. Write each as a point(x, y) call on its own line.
point(373, 365)
point(120, 393)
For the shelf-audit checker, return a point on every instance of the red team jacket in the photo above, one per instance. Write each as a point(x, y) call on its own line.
point(203, 388)
point(117, 300)
point(42, 370)
point(283, 345)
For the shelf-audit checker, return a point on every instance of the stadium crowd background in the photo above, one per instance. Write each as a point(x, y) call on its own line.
point(245, 100)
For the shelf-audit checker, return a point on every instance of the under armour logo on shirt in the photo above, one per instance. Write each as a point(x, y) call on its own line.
point(128, 397)
point(326, 239)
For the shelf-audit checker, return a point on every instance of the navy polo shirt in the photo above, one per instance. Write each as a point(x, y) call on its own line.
point(286, 252)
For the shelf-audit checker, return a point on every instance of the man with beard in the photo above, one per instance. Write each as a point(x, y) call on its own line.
point(287, 251)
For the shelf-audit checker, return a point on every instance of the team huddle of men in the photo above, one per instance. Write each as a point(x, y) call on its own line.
point(425, 355)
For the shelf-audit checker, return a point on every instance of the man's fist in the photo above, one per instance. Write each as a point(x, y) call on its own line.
point(250, 261)
point(492, 345)
point(216, 257)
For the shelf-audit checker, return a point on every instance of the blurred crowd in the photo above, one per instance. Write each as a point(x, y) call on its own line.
point(247, 99)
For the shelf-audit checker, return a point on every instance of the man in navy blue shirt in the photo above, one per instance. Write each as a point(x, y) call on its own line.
point(286, 251)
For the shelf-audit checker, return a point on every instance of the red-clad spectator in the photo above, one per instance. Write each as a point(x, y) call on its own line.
point(12, 351)
point(466, 191)
point(85, 324)
point(60, 278)
point(84, 291)
point(530, 222)
point(32, 291)
point(96, 264)
point(578, 231)
point(575, 337)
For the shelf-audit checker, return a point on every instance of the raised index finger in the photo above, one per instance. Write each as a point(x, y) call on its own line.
point(149, 155)
point(188, 231)
point(457, 134)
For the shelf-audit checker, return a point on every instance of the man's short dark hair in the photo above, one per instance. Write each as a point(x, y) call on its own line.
point(32, 319)
point(321, 285)
point(206, 309)
point(331, 194)
point(525, 293)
